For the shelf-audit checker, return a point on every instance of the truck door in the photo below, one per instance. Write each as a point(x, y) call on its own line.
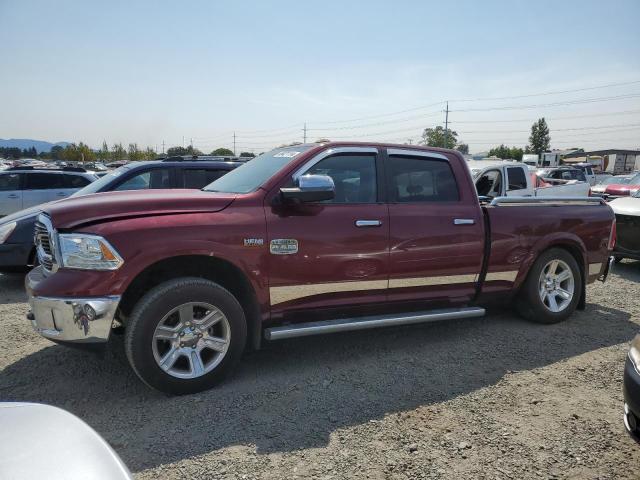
point(10, 193)
point(436, 228)
point(332, 253)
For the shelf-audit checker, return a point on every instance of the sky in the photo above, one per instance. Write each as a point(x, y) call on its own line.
point(149, 72)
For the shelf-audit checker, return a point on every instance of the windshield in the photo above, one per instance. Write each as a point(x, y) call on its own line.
point(615, 180)
point(96, 186)
point(251, 175)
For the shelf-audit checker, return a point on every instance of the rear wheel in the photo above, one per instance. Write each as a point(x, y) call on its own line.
point(185, 335)
point(552, 290)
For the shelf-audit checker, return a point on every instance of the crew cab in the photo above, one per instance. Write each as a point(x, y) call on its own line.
point(304, 240)
point(507, 179)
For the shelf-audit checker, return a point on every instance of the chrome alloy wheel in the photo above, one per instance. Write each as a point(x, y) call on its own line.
point(191, 340)
point(556, 286)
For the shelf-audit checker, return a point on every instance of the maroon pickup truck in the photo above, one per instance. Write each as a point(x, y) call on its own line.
point(304, 240)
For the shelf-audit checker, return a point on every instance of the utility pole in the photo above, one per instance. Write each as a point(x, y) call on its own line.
point(182, 141)
point(234, 144)
point(191, 144)
point(305, 133)
point(163, 147)
point(446, 124)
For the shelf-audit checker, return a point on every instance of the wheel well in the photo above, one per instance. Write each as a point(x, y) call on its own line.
point(577, 254)
point(215, 269)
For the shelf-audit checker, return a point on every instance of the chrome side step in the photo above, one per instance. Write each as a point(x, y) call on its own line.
point(374, 321)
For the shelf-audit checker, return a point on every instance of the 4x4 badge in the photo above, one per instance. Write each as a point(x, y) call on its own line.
point(283, 246)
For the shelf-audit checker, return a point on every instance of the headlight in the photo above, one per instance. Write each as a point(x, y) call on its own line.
point(6, 230)
point(634, 352)
point(88, 252)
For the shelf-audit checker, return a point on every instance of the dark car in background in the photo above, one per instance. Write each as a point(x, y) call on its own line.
point(16, 231)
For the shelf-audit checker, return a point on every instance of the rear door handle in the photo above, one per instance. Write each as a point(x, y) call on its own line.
point(13, 195)
point(464, 221)
point(368, 223)
point(62, 194)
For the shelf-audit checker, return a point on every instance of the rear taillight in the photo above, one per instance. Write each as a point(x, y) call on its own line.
point(589, 194)
point(612, 236)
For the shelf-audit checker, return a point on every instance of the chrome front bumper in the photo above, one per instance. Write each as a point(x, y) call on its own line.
point(71, 320)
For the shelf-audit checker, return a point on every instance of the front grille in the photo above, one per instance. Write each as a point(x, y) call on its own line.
point(42, 240)
point(628, 232)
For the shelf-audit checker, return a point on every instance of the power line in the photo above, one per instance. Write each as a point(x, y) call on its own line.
point(556, 92)
point(622, 125)
point(555, 104)
point(623, 112)
point(353, 127)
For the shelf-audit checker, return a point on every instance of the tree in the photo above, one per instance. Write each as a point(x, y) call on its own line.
point(224, 152)
point(78, 153)
point(438, 137)
point(505, 152)
point(247, 154)
point(118, 152)
point(135, 154)
point(463, 148)
point(539, 140)
point(149, 154)
point(103, 154)
point(180, 151)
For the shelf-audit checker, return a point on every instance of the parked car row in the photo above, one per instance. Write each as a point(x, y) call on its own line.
point(16, 230)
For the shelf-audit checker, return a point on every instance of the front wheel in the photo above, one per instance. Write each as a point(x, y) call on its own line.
point(185, 335)
point(552, 290)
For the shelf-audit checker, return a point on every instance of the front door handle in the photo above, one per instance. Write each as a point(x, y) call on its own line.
point(62, 194)
point(368, 223)
point(13, 195)
point(464, 221)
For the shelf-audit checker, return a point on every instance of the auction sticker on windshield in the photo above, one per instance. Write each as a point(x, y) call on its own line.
point(286, 154)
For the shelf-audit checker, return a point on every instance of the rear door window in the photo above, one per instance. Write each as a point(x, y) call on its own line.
point(200, 177)
point(421, 179)
point(9, 182)
point(75, 181)
point(43, 181)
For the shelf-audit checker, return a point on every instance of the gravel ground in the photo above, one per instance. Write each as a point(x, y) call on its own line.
point(480, 398)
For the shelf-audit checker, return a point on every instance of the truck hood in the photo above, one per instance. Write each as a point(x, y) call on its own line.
point(626, 206)
point(99, 207)
point(621, 189)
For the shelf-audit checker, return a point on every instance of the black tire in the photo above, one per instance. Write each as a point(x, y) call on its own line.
point(529, 303)
point(618, 259)
point(158, 302)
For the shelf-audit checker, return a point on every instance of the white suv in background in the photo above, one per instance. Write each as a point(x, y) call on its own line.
point(24, 187)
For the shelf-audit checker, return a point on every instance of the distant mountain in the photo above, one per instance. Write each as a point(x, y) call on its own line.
point(22, 143)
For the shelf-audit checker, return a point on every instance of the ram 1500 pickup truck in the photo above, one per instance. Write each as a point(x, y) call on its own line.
point(304, 240)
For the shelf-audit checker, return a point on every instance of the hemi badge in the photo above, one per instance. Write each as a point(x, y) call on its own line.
point(283, 246)
point(253, 242)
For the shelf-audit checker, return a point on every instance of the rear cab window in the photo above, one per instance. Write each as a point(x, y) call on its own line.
point(200, 177)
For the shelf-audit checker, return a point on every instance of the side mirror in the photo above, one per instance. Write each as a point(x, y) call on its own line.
point(311, 188)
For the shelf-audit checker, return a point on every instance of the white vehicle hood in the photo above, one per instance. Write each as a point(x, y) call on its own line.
point(626, 206)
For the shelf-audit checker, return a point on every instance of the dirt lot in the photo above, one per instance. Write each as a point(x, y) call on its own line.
point(479, 398)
